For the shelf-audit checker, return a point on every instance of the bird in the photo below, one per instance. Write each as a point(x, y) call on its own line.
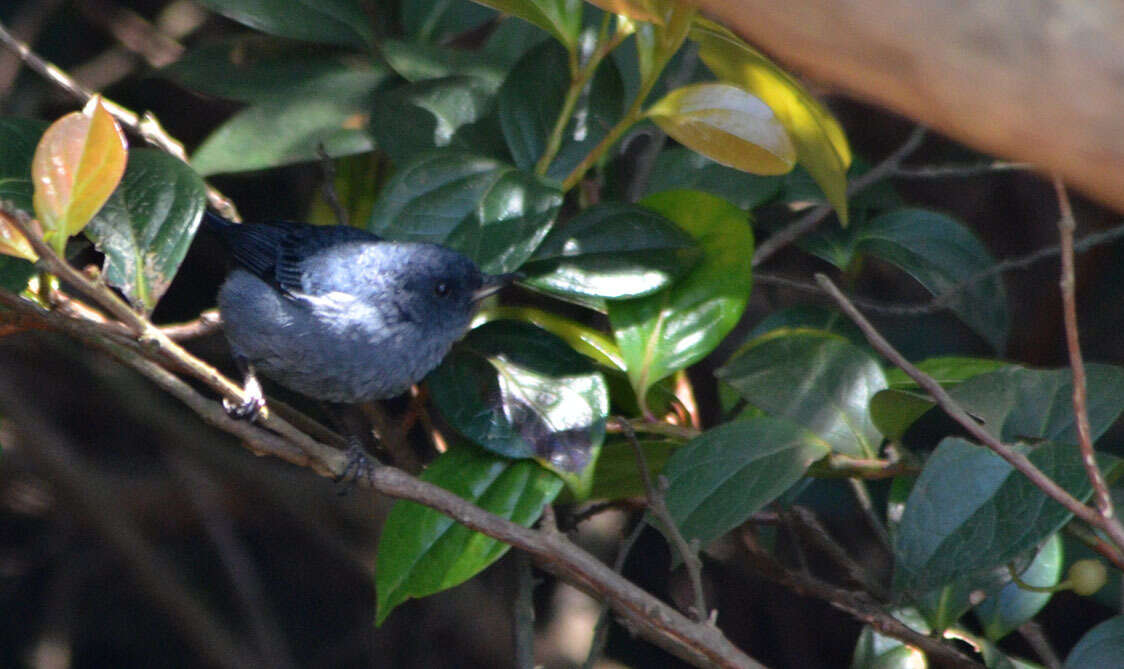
point(339, 314)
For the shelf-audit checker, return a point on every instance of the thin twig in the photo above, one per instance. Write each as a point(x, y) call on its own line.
point(207, 323)
point(1017, 460)
point(523, 619)
point(957, 171)
point(1032, 633)
point(601, 629)
point(857, 603)
point(812, 529)
point(809, 221)
point(657, 506)
point(1067, 224)
point(944, 299)
point(328, 188)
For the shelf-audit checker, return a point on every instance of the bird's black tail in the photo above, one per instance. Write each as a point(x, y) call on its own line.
point(215, 222)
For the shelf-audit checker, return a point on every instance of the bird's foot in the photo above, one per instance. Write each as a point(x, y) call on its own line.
point(252, 409)
point(360, 466)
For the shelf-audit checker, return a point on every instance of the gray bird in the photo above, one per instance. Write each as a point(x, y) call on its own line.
point(339, 314)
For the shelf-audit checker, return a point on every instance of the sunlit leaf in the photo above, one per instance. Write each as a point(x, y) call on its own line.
point(332, 21)
point(429, 114)
point(78, 163)
point(591, 343)
point(422, 551)
point(611, 251)
point(816, 379)
point(523, 393)
point(415, 61)
point(728, 125)
point(666, 331)
point(638, 10)
point(1003, 612)
point(821, 146)
point(145, 228)
point(560, 18)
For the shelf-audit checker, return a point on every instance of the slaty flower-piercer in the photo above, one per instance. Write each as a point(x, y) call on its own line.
point(339, 314)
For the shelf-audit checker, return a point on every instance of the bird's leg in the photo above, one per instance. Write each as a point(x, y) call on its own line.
point(254, 406)
point(353, 426)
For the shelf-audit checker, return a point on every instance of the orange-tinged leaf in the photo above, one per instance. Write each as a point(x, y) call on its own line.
point(728, 125)
point(77, 165)
point(13, 243)
point(821, 145)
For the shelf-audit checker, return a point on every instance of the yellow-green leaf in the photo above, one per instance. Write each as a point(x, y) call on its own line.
point(638, 10)
point(77, 165)
point(728, 125)
point(13, 243)
point(821, 145)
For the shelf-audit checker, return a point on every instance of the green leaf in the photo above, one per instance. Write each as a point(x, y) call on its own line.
point(895, 409)
point(585, 340)
point(683, 168)
point(415, 62)
point(817, 379)
point(560, 18)
point(618, 475)
point(970, 511)
point(332, 21)
point(429, 114)
point(1101, 646)
point(662, 333)
point(491, 212)
point(721, 477)
point(809, 317)
point(939, 253)
point(728, 125)
point(422, 552)
point(611, 251)
point(875, 651)
point(532, 97)
point(146, 227)
point(19, 137)
point(258, 68)
point(820, 144)
point(521, 392)
point(436, 20)
point(1003, 612)
point(1015, 403)
point(290, 130)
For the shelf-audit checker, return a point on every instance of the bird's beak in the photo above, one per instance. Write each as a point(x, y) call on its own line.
point(493, 283)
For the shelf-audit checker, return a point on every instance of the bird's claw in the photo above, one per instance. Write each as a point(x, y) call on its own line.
point(360, 465)
point(252, 409)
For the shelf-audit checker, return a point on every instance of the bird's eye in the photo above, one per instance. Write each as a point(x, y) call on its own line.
point(441, 289)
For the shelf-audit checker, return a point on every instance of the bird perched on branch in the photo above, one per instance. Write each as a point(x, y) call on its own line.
point(339, 314)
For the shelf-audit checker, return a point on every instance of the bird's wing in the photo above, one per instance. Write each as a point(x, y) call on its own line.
point(307, 241)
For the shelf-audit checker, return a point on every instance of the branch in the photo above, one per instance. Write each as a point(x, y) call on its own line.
point(1017, 460)
point(859, 604)
point(1066, 225)
point(809, 221)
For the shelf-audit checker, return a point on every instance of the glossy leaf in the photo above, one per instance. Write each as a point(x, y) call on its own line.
point(680, 167)
point(728, 125)
point(492, 212)
point(611, 251)
point(955, 525)
point(290, 130)
point(521, 392)
point(332, 21)
point(532, 97)
point(415, 61)
point(667, 331)
point(1102, 646)
point(422, 552)
point(436, 20)
point(560, 18)
point(895, 409)
point(816, 379)
point(428, 114)
point(1015, 403)
point(585, 340)
point(258, 68)
point(721, 477)
point(78, 163)
point(147, 226)
point(1006, 610)
point(809, 317)
point(820, 144)
point(618, 474)
point(658, 41)
point(939, 253)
